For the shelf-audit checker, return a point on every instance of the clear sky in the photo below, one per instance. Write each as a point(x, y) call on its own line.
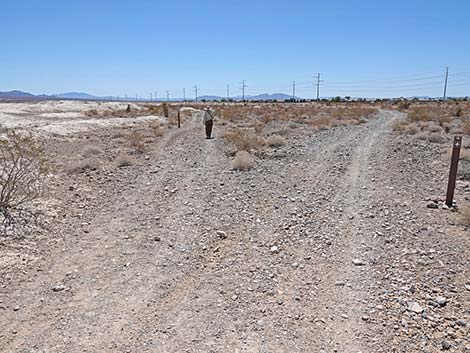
point(361, 48)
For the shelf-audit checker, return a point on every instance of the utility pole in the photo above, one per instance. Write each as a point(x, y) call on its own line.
point(293, 91)
point(151, 97)
point(318, 87)
point(243, 90)
point(195, 91)
point(156, 96)
point(136, 97)
point(167, 96)
point(184, 94)
point(445, 84)
point(228, 92)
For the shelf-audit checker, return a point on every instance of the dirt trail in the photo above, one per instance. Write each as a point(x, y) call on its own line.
point(151, 273)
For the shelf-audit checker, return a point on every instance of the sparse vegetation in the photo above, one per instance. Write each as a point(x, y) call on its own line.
point(23, 168)
point(84, 165)
point(137, 140)
point(125, 160)
point(243, 161)
point(91, 150)
point(464, 215)
point(276, 141)
point(244, 140)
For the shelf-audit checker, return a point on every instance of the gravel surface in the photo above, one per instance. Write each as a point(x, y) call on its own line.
point(326, 245)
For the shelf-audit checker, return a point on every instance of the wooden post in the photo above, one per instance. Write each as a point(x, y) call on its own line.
point(453, 170)
point(179, 119)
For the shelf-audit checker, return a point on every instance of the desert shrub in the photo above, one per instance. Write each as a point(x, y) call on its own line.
point(137, 140)
point(400, 125)
point(422, 135)
point(23, 169)
point(243, 161)
point(435, 137)
point(464, 215)
point(84, 165)
point(466, 127)
point(125, 160)
point(465, 155)
point(276, 141)
point(244, 140)
point(420, 113)
point(402, 106)
point(434, 128)
point(156, 128)
point(91, 150)
point(322, 123)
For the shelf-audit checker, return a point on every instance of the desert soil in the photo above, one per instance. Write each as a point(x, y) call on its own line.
point(326, 245)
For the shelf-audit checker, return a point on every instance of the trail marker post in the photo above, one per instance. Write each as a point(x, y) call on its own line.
point(179, 119)
point(453, 170)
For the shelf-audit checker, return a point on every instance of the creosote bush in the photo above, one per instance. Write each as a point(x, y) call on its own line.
point(23, 169)
point(243, 161)
point(464, 215)
point(137, 140)
point(276, 141)
point(125, 160)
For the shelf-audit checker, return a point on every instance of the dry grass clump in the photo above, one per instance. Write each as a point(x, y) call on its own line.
point(137, 140)
point(125, 160)
point(84, 165)
point(276, 141)
point(435, 137)
point(466, 127)
point(243, 161)
point(156, 128)
point(322, 123)
point(244, 140)
point(464, 215)
point(91, 150)
point(464, 154)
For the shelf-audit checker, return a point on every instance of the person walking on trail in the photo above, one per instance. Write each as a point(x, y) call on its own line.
point(208, 122)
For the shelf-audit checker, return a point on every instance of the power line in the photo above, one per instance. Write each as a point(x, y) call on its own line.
point(318, 86)
point(243, 90)
point(445, 84)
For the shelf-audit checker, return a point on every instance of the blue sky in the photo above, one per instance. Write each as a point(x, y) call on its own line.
point(361, 48)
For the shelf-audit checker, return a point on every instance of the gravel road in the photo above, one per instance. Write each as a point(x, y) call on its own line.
point(320, 248)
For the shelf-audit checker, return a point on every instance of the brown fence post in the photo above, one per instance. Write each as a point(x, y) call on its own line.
point(179, 119)
point(453, 170)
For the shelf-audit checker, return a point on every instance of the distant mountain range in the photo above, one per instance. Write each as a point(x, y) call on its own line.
point(19, 95)
point(86, 96)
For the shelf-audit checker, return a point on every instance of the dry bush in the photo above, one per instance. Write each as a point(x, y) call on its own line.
point(434, 128)
point(125, 160)
point(465, 155)
point(402, 106)
point(466, 127)
point(400, 125)
point(276, 141)
point(91, 150)
point(244, 140)
point(243, 161)
point(156, 128)
point(23, 169)
point(422, 135)
point(420, 113)
point(84, 165)
point(464, 215)
point(435, 137)
point(322, 123)
point(137, 140)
